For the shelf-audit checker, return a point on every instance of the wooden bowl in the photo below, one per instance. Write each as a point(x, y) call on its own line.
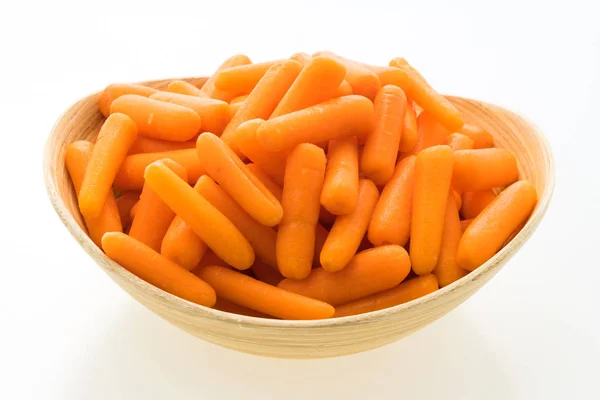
point(303, 339)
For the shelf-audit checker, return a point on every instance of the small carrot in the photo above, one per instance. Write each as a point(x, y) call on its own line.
point(266, 180)
point(430, 132)
point(343, 90)
point(147, 145)
point(333, 119)
point(209, 88)
point(183, 87)
point(130, 175)
point(302, 58)
point(447, 269)
point(114, 140)
point(458, 141)
point(215, 114)
point(227, 306)
point(125, 203)
point(237, 102)
point(181, 245)
point(480, 137)
point(348, 230)
point(254, 294)
point(302, 187)
point(474, 202)
point(378, 157)
point(371, 271)
point(150, 266)
point(264, 98)
point(433, 172)
point(231, 173)
point(464, 224)
point(390, 222)
point(482, 169)
point(77, 158)
point(403, 293)
point(116, 90)
point(242, 79)
point(410, 134)
point(340, 189)
point(321, 234)
point(266, 273)
point(270, 162)
point(218, 232)
point(490, 229)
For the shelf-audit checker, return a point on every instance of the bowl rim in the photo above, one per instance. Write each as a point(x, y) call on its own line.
point(489, 267)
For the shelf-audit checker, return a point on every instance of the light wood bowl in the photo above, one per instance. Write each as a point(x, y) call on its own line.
point(303, 339)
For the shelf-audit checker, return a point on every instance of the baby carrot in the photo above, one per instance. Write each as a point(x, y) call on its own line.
point(403, 293)
point(242, 79)
point(371, 271)
point(114, 140)
point(183, 87)
point(390, 222)
point(150, 266)
point(227, 306)
point(410, 134)
point(430, 132)
point(302, 187)
point(131, 173)
point(433, 172)
point(116, 90)
point(266, 180)
point(125, 203)
point(147, 145)
point(264, 98)
point(458, 141)
point(490, 229)
point(321, 234)
point(482, 169)
point(302, 58)
point(334, 119)
point(340, 189)
point(218, 232)
point(248, 292)
point(474, 202)
point(239, 99)
point(266, 273)
point(270, 162)
point(209, 88)
point(316, 83)
point(481, 138)
point(77, 158)
point(343, 90)
point(348, 230)
point(378, 157)
point(215, 114)
point(231, 173)
point(181, 245)
point(464, 224)
point(153, 216)
point(447, 270)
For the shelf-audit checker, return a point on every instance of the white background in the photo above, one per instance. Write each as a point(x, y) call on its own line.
point(67, 332)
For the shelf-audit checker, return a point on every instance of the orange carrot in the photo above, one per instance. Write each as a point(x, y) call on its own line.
point(433, 172)
point(458, 141)
point(378, 157)
point(410, 134)
point(464, 224)
point(266, 180)
point(264, 98)
point(481, 138)
point(218, 232)
point(266, 273)
point(239, 99)
point(348, 230)
point(482, 169)
point(114, 140)
point(302, 58)
point(125, 203)
point(340, 189)
point(430, 132)
point(147, 145)
point(333, 119)
point(474, 202)
point(390, 222)
point(77, 158)
point(183, 87)
point(150, 266)
point(302, 187)
point(410, 290)
point(131, 173)
point(182, 246)
point(209, 88)
point(321, 234)
point(316, 83)
point(371, 271)
point(116, 90)
point(490, 229)
point(231, 173)
point(248, 292)
point(343, 90)
point(227, 306)
point(242, 79)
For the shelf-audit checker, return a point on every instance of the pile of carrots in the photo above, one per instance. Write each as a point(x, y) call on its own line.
point(304, 188)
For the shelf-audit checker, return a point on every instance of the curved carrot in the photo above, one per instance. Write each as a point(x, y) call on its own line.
point(343, 90)
point(266, 180)
point(482, 169)
point(150, 266)
point(231, 173)
point(227, 306)
point(77, 158)
point(378, 157)
point(266, 273)
point(219, 233)
point(264, 98)
point(390, 222)
point(458, 141)
point(181, 245)
point(304, 175)
point(464, 224)
point(209, 88)
point(114, 140)
point(480, 137)
point(430, 132)
point(490, 229)
point(316, 83)
point(433, 172)
point(242, 79)
point(403, 293)
point(116, 90)
point(474, 202)
point(410, 134)
point(348, 230)
point(340, 189)
point(183, 87)
point(147, 145)
point(333, 119)
point(130, 175)
point(215, 114)
point(371, 271)
point(248, 292)
point(302, 58)
point(125, 203)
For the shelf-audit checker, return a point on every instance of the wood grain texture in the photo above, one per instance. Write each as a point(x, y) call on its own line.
point(303, 339)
